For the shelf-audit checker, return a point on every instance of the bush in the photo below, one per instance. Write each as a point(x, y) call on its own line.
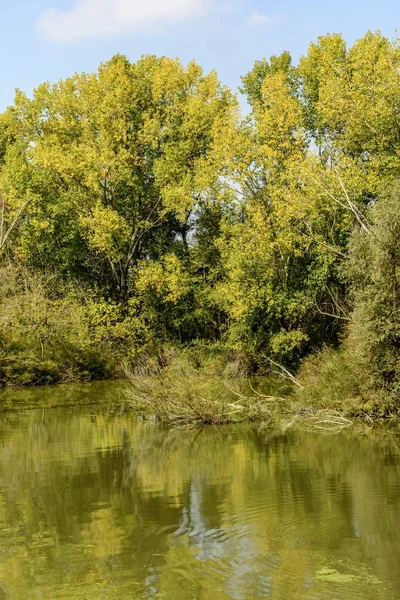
point(181, 395)
point(364, 376)
point(46, 332)
point(205, 358)
point(374, 274)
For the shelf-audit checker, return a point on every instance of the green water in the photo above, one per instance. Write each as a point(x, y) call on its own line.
point(95, 505)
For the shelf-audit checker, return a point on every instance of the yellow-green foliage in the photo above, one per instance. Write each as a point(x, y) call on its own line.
point(51, 334)
point(181, 223)
point(167, 279)
point(125, 148)
point(374, 272)
point(363, 376)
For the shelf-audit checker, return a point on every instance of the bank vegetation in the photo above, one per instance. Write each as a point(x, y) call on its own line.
point(140, 211)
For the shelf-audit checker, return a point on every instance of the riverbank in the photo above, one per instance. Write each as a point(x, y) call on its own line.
point(205, 384)
point(196, 400)
point(182, 395)
point(327, 393)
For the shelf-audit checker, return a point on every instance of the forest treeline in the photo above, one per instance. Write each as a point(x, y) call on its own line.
point(140, 211)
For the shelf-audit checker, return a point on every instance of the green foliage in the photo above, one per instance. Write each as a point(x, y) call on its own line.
point(122, 157)
point(374, 272)
point(253, 81)
point(332, 379)
point(181, 394)
point(200, 358)
point(364, 374)
point(51, 334)
point(140, 212)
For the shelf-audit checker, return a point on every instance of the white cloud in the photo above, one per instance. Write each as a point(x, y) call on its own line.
point(100, 18)
point(257, 18)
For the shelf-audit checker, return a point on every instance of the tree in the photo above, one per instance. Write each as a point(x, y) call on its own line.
point(126, 151)
point(373, 272)
point(254, 80)
point(15, 195)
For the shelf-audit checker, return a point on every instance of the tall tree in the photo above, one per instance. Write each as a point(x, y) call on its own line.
point(126, 151)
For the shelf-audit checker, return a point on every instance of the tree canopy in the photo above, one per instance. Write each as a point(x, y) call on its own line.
point(169, 218)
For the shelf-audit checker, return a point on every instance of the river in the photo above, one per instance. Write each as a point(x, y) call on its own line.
point(94, 504)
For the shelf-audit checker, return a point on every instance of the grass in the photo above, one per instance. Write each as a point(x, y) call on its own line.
point(182, 394)
point(335, 380)
point(196, 399)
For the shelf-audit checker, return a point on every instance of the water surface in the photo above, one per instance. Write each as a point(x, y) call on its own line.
point(96, 505)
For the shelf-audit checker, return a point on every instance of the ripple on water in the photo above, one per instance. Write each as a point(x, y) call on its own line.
point(94, 506)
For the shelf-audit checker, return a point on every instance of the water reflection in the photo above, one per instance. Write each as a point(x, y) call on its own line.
point(94, 505)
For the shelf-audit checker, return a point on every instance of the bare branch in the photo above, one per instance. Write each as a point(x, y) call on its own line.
point(350, 206)
point(4, 235)
point(284, 372)
point(359, 216)
point(321, 312)
point(314, 238)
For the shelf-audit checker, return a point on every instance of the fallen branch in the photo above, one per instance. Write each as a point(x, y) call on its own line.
point(284, 372)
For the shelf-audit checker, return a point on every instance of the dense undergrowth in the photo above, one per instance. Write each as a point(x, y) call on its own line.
point(50, 334)
point(193, 386)
point(144, 223)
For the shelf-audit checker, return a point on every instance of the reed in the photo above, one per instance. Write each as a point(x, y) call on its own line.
point(189, 398)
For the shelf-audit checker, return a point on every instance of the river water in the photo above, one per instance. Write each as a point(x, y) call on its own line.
point(95, 505)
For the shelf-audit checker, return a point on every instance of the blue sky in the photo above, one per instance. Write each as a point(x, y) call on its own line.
point(51, 39)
